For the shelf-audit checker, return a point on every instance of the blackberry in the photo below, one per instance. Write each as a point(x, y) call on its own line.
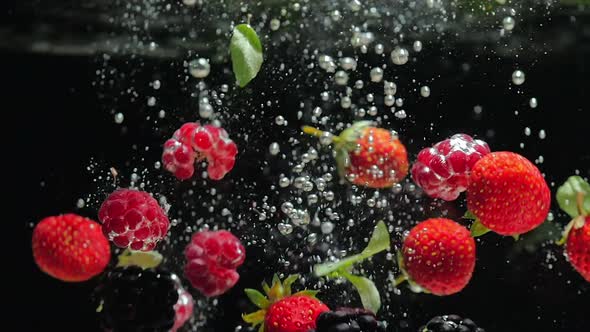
point(131, 299)
point(450, 323)
point(348, 320)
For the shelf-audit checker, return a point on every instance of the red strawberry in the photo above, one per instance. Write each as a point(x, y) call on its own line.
point(133, 219)
point(70, 247)
point(439, 256)
point(211, 261)
point(368, 156)
point(193, 142)
point(283, 312)
point(183, 308)
point(578, 248)
point(443, 170)
point(508, 194)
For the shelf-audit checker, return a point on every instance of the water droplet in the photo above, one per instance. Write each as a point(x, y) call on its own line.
point(399, 56)
point(280, 120)
point(542, 134)
point(199, 68)
point(287, 207)
point(389, 88)
point(508, 23)
point(274, 148)
point(425, 91)
point(379, 48)
point(417, 46)
point(151, 101)
point(285, 229)
point(205, 110)
point(376, 74)
point(156, 84)
point(284, 182)
point(527, 131)
point(80, 203)
point(518, 77)
point(275, 24)
point(341, 77)
point(348, 63)
point(345, 102)
point(533, 103)
point(119, 117)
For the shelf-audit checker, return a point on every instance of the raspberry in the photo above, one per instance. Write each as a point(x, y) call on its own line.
point(133, 219)
point(134, 299)
point(70, 247)
point(193, 142)
point(183, 307)
point(443, 170)
point(211, 261)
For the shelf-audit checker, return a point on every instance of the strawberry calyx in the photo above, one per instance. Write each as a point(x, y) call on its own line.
point(578, 221)
point(277, 291)
point(365, 287)
point(478, 229)
point(404, 276)
point(573, 197)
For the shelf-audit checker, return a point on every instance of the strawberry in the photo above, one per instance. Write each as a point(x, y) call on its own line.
point(507, 194)
point(578, 248)
point(573, 198)
point(70, 247)
point(368, 156)
point(282, 312)
point(438, 255)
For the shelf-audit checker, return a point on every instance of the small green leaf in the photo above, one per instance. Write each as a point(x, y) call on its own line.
point(379, 242)
point(478, 229)
point(567, 195)
point(469, 215)
point(307, 292)
point(257, 298)
point(288, 282)
point(367, 291)
point(246, 54)
point(254, 318)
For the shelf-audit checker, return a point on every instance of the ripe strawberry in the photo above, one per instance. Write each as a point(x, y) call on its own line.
point(368, 156)
point(443, 170)
point(578, 248)
point(133, 219)
point(508, 194)
point(439, 256)
point(211, 261)
point(283, 312)
point(193, 142)
point(70, 247)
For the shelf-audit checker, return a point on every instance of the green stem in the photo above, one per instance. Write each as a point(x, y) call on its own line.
point(399, 279)
point(580, 203)
point(317, 133)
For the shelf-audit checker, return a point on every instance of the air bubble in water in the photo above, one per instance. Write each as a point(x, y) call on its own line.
point(379, 49)
point(275, 24)
point(151, 101)
point(417, 46)
point(274, 148)
point(280, 120)
point(399, 56)
point(527, 131)
point(80, 203)
point(287, 207)
point(389, 88)
point(341, 77)
point(518, 77)
point(376, 74)
point(348, 63)
point(425, 91)
point(285, 229)
point(508, 23)
point(156, 84)
point(345, 102)
point(355, 5)
point(205, 110)
point(284, 182)
point(199, 68)
point(542, 134)
point(327, 227)
point(119, 117)
point(533, 103)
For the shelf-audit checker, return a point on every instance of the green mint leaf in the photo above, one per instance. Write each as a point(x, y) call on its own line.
point(567, 195)
point(246, 54)
point(257, 298)
point(367, 291)
point(379, 241)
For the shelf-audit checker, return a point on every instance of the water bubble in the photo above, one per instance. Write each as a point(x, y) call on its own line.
point(320, 184)
point(345, 102)
point(328, 177)
point(425, 91)
point(329, 195)
point(307, 186)
point(372, 110)
point(285, 229)
point(341, 77)
point(370, 97)
point(326, 138)
point(327, 227)
point(389, 100)
point(389, 88)
point(376, 74)
point(312, 238)
point(417, 46)
point(336, 15)
point(275, 24)
point(399, 56)
point(379, 49)
point(156, 84)
point(312, 199)
point(80, 203)
point(399, 102)
point(542, 134)
point(508, 23)
point(205, 110)
point(324, 61)
point(533, 103)
point(401, 114)
point(355, 5)
point(518, 77)
point(280, 120)
point(119, 117)
point(151, 101)
point(287, 207)
point(348, 63)
point(284, 182)
point(298, 182)
point(527, 131)
point(189, 2)
point(199, 68)
point(274, 148)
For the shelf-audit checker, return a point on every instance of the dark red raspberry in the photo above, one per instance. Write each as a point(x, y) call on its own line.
point(443, 170)
point(193, 142)
point(133, 219)
point(211, 261)
point(183, 307)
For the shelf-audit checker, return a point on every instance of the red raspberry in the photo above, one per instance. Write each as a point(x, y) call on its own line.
point(133, 219)
point(193, 142)
point(70, 247)
point(578, 249)
point(183, 308)
point(439, 256)
point(211, 261)
point(443, 170)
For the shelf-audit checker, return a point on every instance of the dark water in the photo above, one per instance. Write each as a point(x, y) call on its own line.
point(67, 111)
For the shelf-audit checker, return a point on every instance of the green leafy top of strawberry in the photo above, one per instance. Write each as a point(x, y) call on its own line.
point(573, 198)
point(368, 293)
point(277, 291)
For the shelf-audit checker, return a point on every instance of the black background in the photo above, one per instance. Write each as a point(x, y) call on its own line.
point(60, 124)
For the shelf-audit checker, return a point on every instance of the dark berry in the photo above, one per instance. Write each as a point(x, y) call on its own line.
point(450, 323)
point(348, 320)
point(131, 299)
